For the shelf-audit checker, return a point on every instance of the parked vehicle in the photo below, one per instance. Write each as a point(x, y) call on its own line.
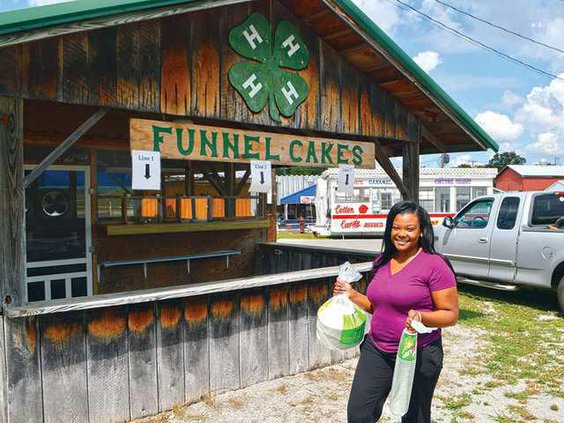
point(508, 240)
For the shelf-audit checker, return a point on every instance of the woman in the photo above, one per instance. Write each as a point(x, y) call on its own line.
point(410, 282)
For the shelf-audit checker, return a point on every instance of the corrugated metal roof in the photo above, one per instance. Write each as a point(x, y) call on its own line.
point(486, 172)
point(539, 171)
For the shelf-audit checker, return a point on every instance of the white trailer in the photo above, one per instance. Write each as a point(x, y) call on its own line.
point(442, 192)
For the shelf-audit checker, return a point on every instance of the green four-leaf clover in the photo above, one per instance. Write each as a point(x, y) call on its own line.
point(263, 80)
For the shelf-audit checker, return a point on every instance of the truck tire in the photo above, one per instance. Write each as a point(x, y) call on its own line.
point(560, 294)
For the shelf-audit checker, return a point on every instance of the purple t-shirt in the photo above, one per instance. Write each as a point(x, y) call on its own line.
point(394, 295)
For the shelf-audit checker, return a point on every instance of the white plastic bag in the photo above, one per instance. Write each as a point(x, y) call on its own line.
point(340, 323)
point(404, 372)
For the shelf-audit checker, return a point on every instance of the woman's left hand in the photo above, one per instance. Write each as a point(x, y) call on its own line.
point(411, 316)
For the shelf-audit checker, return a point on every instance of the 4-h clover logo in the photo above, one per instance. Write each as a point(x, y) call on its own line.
point(264, 80)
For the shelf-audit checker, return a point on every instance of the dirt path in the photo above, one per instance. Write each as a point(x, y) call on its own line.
point(321, 395)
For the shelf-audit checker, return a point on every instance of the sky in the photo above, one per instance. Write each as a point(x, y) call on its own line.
point(522, 110)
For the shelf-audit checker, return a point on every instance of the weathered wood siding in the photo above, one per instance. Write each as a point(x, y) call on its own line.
point(118, 363)
point(179, 66)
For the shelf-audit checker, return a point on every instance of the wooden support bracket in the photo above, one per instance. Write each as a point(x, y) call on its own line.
point(64, 146)
point(383, 160)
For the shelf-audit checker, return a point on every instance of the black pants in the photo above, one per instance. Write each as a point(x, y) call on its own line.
point(373, 381)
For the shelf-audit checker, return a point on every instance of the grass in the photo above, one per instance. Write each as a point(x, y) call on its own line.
point(295, 235)
point(519, 346)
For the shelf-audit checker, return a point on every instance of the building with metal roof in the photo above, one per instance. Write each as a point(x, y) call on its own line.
point(528, 177)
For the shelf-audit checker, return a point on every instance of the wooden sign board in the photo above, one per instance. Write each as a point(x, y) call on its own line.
point(207, 143)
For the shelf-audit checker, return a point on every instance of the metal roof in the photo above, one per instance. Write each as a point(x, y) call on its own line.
point(35, 18)
point(538, 171)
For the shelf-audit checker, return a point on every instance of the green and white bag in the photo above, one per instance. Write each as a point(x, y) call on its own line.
point(341, 323)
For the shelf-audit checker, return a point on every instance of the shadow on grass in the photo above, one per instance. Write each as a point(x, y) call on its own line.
point(464, 314)
point(542, 300)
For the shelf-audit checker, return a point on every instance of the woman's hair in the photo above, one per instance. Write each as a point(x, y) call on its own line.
point(427, 240)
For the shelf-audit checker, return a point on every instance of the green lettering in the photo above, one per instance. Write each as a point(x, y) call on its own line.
point(270, 156)
point(341, 148)
point(293, 157)
point(228, 145)
point(205, 143)
point(180, 144)
point(158, 138)
point(311, 154)
point(357, 153)
point(249, 147)
point(326, 153)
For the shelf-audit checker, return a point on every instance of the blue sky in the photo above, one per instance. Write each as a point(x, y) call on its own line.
point(522, 110)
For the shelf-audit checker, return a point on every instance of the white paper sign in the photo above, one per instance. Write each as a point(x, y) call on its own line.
point(345, 179)
point(146, 170)
point(261, 180)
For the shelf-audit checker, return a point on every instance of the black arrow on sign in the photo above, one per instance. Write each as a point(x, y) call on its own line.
point(147, 171)
point(347, 179)
point(262, 178)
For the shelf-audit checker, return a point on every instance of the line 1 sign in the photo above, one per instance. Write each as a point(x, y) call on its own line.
point(207, 143)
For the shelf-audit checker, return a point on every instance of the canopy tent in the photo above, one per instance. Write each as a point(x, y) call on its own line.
point(304, 196)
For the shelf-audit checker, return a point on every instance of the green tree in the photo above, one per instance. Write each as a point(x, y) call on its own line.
point(464, 165)
point(500, 160)
point(299, 170)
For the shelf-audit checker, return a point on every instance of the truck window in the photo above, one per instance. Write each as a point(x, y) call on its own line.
point(547, 209)
point(508, 213)
point(475, 216)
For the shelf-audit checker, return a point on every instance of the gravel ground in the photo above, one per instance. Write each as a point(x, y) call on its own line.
point(321, 395)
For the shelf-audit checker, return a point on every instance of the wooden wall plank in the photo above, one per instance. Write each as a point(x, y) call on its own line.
point(149, 75)
point(10, 70)
point(142, 347)
point(232, 105)
point(253, 336)
point(24, 375)
point(42, 81)
point(278, 331)
point(63, 366)
point(170, 354)
point(127, 66)
point(102, 66)
point(401, 121)
point(317, 294)
point(196, 348)
point(3, 375)
point(390, 117)
point(175, 69)
point(75, 67)
point(108, 376)
point(298, 328)
point(378, 102)
point(350, 98)
point(366, 123)
point(330, 83)
point(224, 343)
point(12, 235)
point(206, 70)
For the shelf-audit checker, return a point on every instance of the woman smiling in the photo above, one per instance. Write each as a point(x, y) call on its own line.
point(410, 281)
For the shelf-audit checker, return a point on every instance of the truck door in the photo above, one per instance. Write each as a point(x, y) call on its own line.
point(503, 248)
point(467, 244)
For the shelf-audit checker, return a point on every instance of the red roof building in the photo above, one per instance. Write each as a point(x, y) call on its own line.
point(528, 178)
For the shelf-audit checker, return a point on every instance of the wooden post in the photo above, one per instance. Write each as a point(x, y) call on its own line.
point(411, 161)
point(229, 189)
point(12, 208)
point(92, 191)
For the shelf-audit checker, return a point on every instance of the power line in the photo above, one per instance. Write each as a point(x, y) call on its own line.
point(524, 37)
point(480, 44)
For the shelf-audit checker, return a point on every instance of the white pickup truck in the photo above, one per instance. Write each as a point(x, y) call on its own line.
point(508, 240)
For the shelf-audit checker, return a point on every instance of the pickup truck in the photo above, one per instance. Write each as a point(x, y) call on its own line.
point(507, 240)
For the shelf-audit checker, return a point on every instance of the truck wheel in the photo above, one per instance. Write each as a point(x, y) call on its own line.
point(560, 294)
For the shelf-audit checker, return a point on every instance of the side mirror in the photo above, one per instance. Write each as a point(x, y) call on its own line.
point(448, 222)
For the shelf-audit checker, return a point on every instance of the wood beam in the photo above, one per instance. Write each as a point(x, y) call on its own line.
point(383, 160)
point(242, 182)
point(64, 146)
point(214, 179)
point(425, 133)
point(12, 207)
point(411, 161)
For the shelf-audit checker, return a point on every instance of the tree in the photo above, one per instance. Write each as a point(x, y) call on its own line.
point(500, 160)
point(300, 170)
point(464, 165)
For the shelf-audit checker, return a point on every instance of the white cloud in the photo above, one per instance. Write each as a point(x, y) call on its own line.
point(427, 60)
point(384, 14)
point(510, 99)
point(463, 159)
point(499, 126)
point(548, 143)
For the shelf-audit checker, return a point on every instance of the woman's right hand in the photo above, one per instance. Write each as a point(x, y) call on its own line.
point(343, 287)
